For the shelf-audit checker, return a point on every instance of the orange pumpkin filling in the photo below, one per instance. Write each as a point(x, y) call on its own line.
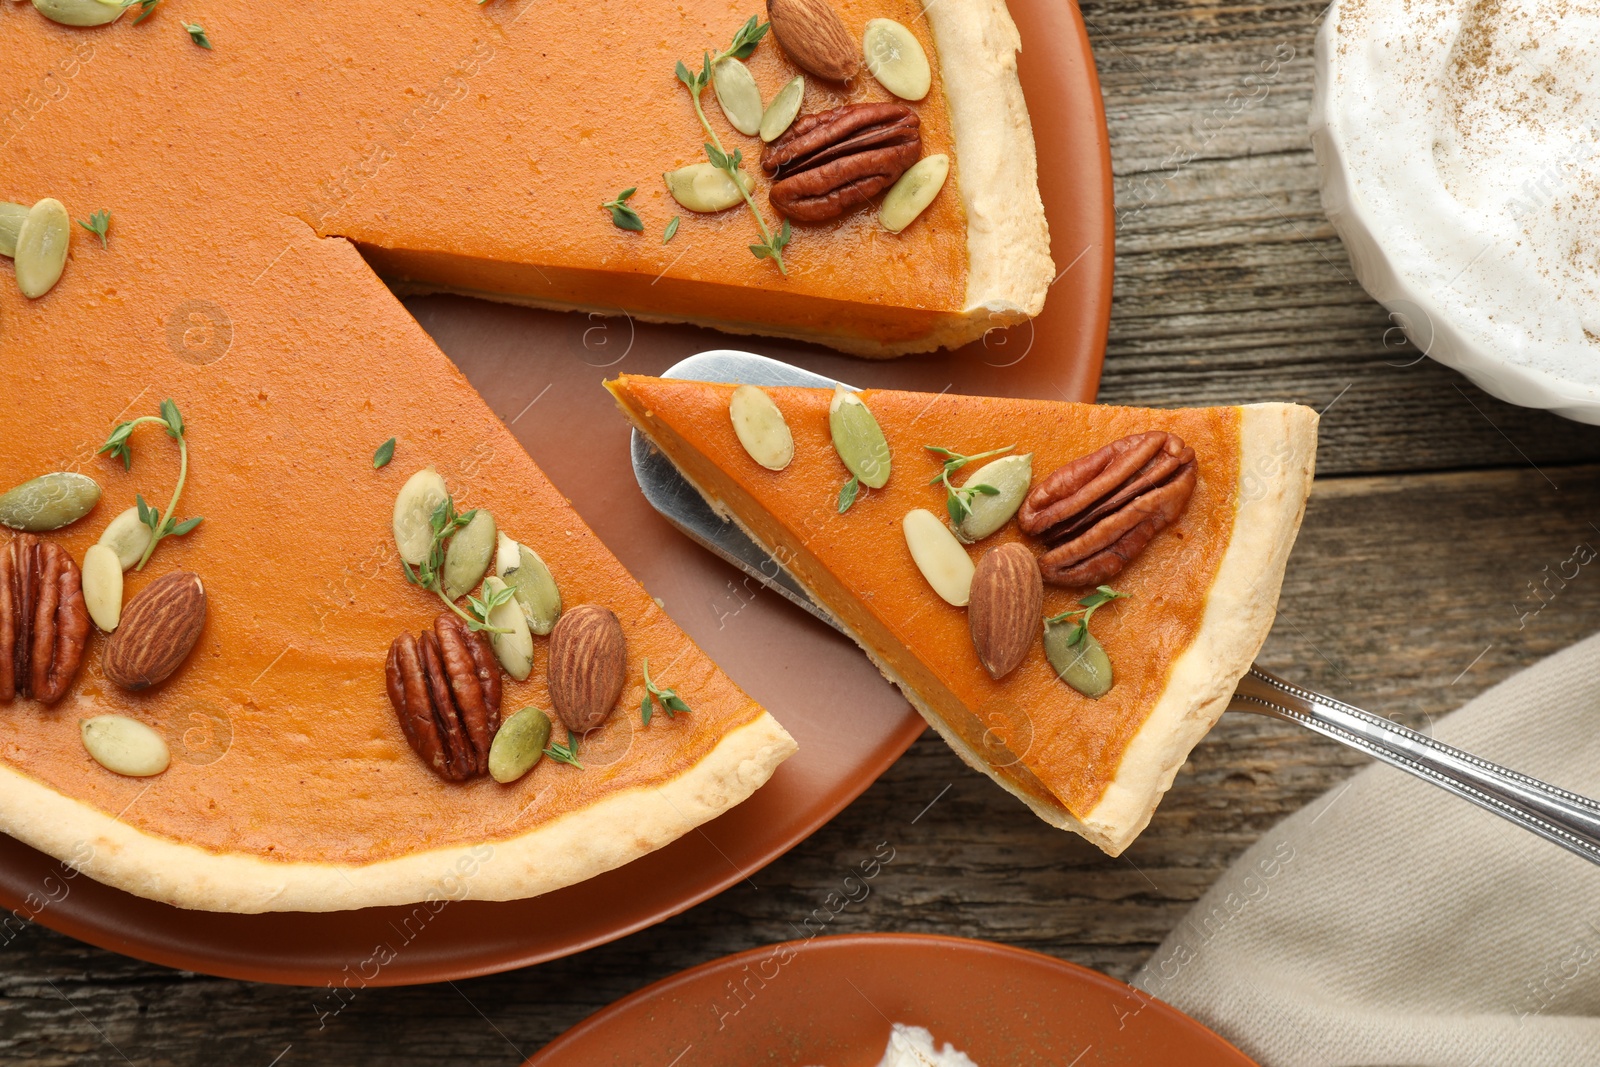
point(1048, 740)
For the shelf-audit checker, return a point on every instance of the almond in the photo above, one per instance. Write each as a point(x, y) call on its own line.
point(813, 35)
point(588, 663)
point(158, 629)
point(1006, 605)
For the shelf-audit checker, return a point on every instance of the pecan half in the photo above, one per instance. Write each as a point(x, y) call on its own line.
point(44, 622)
point(1099, 511)
point(829, 162)
point(445, 688)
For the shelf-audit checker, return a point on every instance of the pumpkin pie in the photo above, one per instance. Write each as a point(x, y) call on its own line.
point(484, 168)
point(239, 180)
point(1196, 601)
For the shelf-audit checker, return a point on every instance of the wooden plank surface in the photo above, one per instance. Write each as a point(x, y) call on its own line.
point(1413, 587)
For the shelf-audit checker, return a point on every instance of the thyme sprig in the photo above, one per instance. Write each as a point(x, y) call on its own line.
point(567, 753)
point(429, 574)
point(958, 499)
point(482, 606)
point(162, 524)
point(744, 42)
point(1102, 596)
point(670, 702)
point(624, 217)
point(98, 224)
point(146, 8)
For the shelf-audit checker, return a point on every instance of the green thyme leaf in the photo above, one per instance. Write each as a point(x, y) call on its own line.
point(669, 700)
point(567, 753)
point(98, 224)
point(174, 421)
point(1102, 596)
point(847, 494)
point(622, 216)
point(958, 499)
point(185, 526)
point(672, 229)
point(481, 607)
point(749, 35)
point(197, 34)
point(385, 452)
point(146, 8)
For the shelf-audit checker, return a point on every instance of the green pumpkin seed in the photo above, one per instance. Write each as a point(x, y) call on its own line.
point(783, 110)
point(127, 537)
point(41, 253)
point(915, 190)
point(471, 551)
point(858, 439)
point(518, 745)
point(738, 94)
point(80, 12)
point(11, 216)
point(536, 588)
point(1009, 474)
point(702, 187)
point(514, 650)
point(761, 427)
point(49, 502)
point(414, 506)
point(125, 746)
point(895, 57)
point(102, 586)
point(1084, 666)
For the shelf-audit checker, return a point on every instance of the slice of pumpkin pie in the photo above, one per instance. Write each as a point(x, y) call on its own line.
point(1068, 593)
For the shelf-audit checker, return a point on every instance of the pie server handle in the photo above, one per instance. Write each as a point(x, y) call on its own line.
point(1569, 820)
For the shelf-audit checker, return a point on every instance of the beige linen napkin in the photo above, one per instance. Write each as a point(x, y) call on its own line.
point(1392, 924)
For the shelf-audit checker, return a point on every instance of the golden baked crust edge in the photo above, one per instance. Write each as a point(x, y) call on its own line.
point(1009, 268)
point(569, 849)
point(1277, 458)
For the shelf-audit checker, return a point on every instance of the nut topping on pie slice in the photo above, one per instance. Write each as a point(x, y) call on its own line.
point(1194, 598)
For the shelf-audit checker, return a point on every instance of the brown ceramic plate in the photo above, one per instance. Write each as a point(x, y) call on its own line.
point(830, 1001)
point(541, 373)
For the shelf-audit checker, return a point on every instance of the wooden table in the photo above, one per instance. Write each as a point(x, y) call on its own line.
point(1436, 513)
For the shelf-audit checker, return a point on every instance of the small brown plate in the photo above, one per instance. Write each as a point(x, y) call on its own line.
point(830, 1001)
point(541, 372)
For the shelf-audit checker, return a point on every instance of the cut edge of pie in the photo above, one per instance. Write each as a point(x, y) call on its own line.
point(1276, 460)
point(996, 173)
point(569, 849)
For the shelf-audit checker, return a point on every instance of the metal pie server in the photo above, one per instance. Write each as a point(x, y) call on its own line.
point(1557, 815)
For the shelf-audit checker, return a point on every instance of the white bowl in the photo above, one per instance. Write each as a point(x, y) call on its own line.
point(1395, 279)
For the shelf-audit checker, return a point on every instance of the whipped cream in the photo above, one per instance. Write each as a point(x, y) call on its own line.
point(1469, 134)
point(912, 1046)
